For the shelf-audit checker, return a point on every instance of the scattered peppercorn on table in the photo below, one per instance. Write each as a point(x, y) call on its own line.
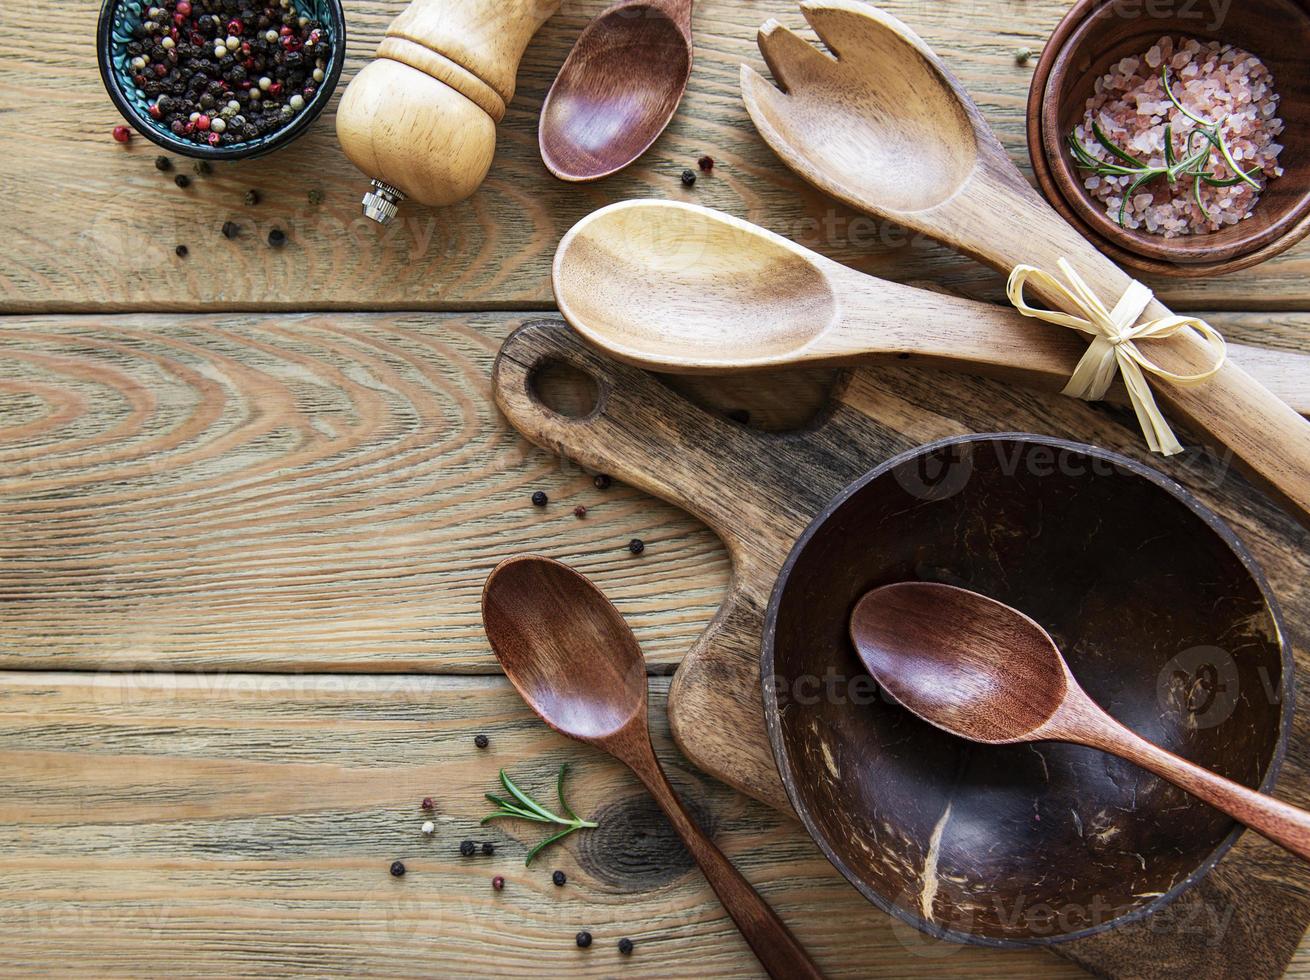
point(249, 507)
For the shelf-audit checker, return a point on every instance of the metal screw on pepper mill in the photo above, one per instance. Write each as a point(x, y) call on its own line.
point(420, 119)
point(382, 202)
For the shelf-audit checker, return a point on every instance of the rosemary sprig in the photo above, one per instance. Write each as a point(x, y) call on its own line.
point(1194, 163)
point(523, 807)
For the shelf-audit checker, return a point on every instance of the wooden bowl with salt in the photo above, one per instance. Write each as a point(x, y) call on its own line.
point(1097, 34)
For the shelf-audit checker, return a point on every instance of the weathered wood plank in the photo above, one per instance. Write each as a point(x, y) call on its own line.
point(246, 823)
point(91, 225)
point(316, 493)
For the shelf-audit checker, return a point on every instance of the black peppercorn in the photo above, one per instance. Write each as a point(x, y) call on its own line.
point(163, 164)
point(397, 869)
point(539, 499)
point(252, 198)
point(466, 848)
point(231, 229)
point(277, 237)
point(481, 741)
point(583, 939)
point(625, 946)
point(182, 180)
point(636, 546)
point(181, 251)
point(559, 878)
point(488, 848)
point(602, 481)
point(688, 177)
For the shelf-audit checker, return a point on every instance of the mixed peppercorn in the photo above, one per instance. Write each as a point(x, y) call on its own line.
point(221, 72)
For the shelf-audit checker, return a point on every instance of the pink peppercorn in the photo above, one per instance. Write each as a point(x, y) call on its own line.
point(214, 139)
point(183, 8)
point(427, 803)
point(498, 882)
point(122, 134)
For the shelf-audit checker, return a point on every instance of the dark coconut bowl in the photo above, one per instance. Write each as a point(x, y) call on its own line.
point(1165, 620)
point(118, 18)
point(1097, 33)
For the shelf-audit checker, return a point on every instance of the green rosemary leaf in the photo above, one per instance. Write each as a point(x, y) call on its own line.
point(513, 815)
point(1233, 165)
point(1169, 92)
point(1128, 196)
point(1110, 146)
point(559, 790)
point(1169, 158)
point(554, 838)
point(527, 801)
point(1196, 192)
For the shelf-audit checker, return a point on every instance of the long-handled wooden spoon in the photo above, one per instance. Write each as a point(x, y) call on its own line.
point(981, 670)
point(567, 650)
point(676, 287)
point(618, 89)
point(882, 125)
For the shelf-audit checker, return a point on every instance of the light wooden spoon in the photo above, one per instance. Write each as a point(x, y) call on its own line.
point(983, 671)
point(676, 287)
point(883, 126)
point(567, 650)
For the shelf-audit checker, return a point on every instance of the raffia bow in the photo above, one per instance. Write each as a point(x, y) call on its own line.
point(1113, 349)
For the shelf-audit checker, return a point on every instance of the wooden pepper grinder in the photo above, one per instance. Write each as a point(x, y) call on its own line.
point(420, 119)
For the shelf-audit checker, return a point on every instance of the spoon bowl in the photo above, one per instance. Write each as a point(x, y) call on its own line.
point(961, 661)
point(618, 89)
point(625, 278)
point(565, 648)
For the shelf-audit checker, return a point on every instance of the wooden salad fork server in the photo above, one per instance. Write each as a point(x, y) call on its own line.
point(569, 653)
point(881, 124)
point(677, 287)
point(981, 670)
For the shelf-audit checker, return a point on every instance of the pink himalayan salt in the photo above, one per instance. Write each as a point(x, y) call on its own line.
point(1216, 82)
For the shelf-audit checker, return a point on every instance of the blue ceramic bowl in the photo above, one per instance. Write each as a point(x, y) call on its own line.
point(118, 18)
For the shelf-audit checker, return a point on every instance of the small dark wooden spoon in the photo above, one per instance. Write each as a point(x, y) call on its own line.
point(570, 654)
point(978, 669)
point(618, 89)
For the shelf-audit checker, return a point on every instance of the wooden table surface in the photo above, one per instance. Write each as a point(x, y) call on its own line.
point(248, 500)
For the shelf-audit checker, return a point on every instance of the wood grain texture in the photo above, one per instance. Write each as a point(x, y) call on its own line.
point(244, 823)
point(90, 225)
point(759, 491)
point(323, 492)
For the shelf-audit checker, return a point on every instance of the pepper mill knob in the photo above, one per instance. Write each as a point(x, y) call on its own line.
point(420, 119)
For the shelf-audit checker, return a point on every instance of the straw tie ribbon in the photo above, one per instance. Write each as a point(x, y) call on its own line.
point(1114, 349)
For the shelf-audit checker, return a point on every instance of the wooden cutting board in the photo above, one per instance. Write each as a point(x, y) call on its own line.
point(759, 490)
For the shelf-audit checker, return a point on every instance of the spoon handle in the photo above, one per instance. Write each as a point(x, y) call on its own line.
point(1280, 822)
point(778, 951)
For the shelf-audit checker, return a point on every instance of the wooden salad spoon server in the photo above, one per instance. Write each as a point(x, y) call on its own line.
point(978, 669)
point(677, 287)
point(570, 654)
point(618, 89)
point(881, 124)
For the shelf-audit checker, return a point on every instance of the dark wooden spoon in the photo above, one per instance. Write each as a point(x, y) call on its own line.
point(978, 669)
point(567, 650)
point(618, 89)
